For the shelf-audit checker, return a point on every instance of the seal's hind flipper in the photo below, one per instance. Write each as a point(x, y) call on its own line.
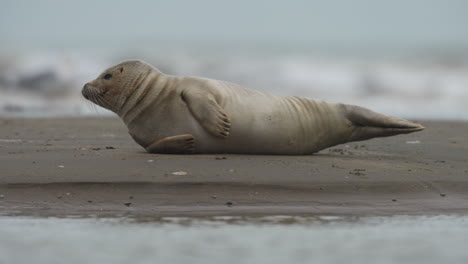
point(207, 111)
point(369, 124)
point(180, 144)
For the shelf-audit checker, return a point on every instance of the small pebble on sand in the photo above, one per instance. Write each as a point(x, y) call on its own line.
point(179, 173)
point(127, 204)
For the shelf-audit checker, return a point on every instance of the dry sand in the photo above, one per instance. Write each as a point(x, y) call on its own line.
point(91, 167)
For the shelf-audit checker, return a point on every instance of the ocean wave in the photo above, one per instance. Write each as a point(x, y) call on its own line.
point(43, 85)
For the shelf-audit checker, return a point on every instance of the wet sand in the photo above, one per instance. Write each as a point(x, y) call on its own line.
point(91, 167)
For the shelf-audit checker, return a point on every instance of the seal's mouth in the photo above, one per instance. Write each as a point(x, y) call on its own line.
point(96, 95)
point(92, 94)
point(86, 91)
point(85, 94)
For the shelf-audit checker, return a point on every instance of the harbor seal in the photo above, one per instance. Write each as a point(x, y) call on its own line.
point(169, 114)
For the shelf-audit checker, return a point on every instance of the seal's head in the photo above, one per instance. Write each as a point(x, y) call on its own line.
point(113, 86)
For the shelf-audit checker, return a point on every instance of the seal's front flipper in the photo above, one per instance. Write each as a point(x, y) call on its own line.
point(207, 111)
point(368, 124)
point(181, 144)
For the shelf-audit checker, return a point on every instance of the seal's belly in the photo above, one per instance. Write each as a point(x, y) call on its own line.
point(276, 125)
point(261, 124)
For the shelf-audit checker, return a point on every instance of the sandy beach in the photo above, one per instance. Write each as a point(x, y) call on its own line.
point(91, 167)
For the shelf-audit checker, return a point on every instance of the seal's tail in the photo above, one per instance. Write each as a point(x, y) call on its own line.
point(369, 124)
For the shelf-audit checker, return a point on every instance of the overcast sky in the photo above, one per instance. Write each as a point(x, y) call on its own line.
point(361, 23)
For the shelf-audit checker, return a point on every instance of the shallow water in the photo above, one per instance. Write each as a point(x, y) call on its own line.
point(279, 239)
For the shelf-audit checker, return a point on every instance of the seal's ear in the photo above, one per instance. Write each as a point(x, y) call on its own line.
point(121, 69)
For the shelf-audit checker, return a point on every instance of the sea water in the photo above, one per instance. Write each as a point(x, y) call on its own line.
point(274, 239)
point(48, 84)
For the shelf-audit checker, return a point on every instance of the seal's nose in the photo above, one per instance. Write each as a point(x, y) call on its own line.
point(84, 91)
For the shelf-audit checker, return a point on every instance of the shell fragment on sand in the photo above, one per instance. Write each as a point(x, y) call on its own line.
point(180, 173)
point(413, 142)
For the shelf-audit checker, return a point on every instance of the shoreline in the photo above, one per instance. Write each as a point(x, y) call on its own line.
point(91, 167)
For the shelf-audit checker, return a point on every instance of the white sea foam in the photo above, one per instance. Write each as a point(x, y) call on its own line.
point(38, 85)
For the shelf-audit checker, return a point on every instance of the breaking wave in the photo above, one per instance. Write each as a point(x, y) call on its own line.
point(45, 85)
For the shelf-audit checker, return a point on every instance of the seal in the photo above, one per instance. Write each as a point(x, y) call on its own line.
point(170, 114)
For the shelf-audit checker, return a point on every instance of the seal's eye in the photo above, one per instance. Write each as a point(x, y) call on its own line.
point(108, 76)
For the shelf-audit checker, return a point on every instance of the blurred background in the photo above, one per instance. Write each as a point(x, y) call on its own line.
point(400, 57)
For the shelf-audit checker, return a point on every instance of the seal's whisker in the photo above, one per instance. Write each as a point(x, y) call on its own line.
point(94, 107)
point(98, 100)
point(103, 101)
point(89, 103)
point(101, 105)
point(95, 101)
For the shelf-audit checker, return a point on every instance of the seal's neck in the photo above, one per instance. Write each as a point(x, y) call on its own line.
point(146, 89)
